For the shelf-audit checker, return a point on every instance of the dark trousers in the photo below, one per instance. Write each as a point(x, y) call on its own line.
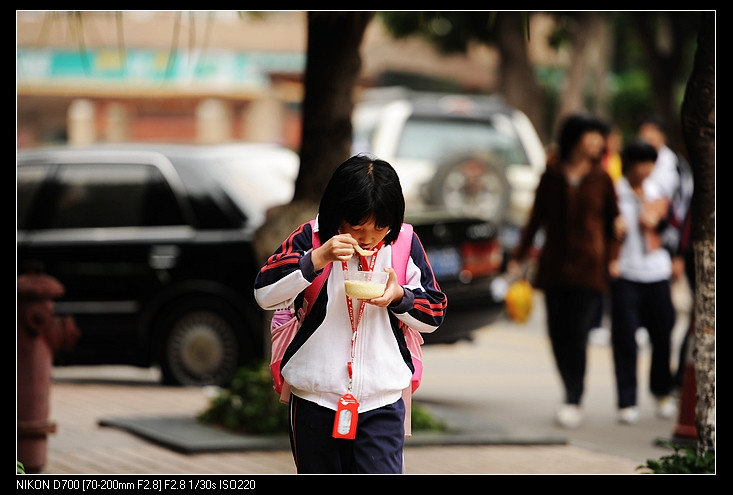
point(377, 448)
point(635, 305)
point(571, 313)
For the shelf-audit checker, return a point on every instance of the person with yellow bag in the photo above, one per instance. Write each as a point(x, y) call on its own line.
point(575, 207)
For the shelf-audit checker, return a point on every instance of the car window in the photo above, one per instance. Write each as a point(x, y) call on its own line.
point(212, 207)
point(433, 138)
point(94, 196)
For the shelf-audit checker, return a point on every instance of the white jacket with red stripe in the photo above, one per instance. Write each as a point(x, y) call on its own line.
point(315, 363)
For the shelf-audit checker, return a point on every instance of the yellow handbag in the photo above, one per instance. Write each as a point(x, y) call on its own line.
point(518, 300)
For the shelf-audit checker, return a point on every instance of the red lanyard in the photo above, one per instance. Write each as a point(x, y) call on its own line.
point(350, 306)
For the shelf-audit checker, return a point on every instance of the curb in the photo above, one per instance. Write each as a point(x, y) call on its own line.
point(186, 434)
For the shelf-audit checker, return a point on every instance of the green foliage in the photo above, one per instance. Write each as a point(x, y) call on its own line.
point(684, 461)
point(21, 468)
point(632, 97)
point(448, 31)
point(422, 420)
point(250, 405)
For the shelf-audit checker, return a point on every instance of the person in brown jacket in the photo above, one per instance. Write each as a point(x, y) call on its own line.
point(576, 209)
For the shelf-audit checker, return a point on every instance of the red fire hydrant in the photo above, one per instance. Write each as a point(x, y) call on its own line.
point(40, 334)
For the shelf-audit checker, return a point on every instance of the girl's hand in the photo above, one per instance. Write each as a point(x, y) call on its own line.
point(649, 219)
point(393, 292)
point(652, 212)
point(338, 248)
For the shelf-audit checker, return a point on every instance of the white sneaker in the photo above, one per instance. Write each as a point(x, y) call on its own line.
point(666, 407)
point(569, 416)
point(628, 415)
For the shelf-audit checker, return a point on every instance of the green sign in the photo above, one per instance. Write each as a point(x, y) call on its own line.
point(223, 68)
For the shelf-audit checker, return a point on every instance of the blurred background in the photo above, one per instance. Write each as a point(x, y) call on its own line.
point(156, 149)
point(209, 76)
point(217, 104)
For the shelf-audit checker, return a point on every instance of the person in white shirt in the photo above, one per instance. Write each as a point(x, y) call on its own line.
point(672, 178)
point(640, 286)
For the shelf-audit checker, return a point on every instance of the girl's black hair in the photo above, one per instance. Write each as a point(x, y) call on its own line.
point(573, 129)
point(635, 152)
point(362, 187)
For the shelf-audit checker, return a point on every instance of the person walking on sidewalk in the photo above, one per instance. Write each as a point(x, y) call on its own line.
point(575, 206)
point(349, 362)
point(640, 287)
point(672, 178)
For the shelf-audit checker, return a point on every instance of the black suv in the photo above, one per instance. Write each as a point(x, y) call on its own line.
point(153, 244)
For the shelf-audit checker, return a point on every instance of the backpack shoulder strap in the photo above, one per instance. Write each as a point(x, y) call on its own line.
point(400, 256)
point(311, 292)
point(401, 252)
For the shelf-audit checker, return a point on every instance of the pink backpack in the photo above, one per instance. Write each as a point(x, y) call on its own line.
point(285, 322)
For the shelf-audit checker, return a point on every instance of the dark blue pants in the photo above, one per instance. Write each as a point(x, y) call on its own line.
point(571, 313)
point(377, 448)
point(635, 305)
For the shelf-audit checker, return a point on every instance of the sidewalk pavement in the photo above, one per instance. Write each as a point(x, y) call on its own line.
point(496, 394)
point(83, 446)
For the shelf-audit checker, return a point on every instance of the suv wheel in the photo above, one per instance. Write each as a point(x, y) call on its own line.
point(200, 345)
point(471, 184)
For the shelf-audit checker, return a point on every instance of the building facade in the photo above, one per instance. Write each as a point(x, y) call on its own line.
point(184, 76)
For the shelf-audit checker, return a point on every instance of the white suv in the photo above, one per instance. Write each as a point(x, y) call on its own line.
point(469, 155)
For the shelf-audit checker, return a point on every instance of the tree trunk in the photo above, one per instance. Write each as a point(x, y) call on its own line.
point(698, 126)
point(332, 69)
point(333, 63)
point(518, 83)
point(589, 60)
point(663, 63)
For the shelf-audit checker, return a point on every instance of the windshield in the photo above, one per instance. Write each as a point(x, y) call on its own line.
point(432, 138)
